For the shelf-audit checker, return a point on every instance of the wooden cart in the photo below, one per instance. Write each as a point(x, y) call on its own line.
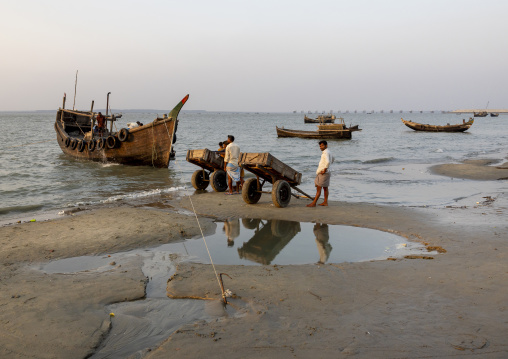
point(212, 172)
point(269, 169)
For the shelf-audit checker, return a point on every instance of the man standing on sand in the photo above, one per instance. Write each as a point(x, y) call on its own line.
point(323, 174)
point(231, 164)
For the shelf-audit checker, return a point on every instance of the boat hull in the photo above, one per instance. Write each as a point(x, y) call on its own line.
point(434, 128)
point(321, 135)
point(148, 145)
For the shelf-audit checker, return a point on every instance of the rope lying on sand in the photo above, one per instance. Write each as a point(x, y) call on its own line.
point(225, 293)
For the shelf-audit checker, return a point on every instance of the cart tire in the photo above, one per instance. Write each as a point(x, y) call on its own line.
point(200, 179)
point(219, 181)
point(250, 192)
point(281, 193)
point(251, 223)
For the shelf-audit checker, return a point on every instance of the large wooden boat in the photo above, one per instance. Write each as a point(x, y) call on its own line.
point(320, 119)
point(434, 128)
point(147, 145)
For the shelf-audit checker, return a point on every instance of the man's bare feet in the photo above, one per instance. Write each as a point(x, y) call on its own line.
point(324, 204)
point(311, 205)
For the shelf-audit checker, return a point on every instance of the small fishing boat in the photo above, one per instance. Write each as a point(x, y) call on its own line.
point(150, 144)
point(329, 135)
point(480, 114)
point(434, 128)
point(320, 119)
point(494, 114)
point(335, 131)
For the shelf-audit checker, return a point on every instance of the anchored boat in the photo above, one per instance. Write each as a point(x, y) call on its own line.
point(320, 119)
point(434, 128)
point(335, 131)
point(146, 145)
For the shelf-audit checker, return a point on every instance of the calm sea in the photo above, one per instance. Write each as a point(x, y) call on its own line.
point(386, 163)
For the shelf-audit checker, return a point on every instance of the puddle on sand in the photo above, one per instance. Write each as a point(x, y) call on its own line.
point(263, 242)
point(138, 326)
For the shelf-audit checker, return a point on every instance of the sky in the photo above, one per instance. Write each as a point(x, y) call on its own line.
point(269, 56)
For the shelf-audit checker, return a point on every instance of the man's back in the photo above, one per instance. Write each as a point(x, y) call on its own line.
point(232, 153)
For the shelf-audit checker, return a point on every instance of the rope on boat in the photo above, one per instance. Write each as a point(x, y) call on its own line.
point(225, 293)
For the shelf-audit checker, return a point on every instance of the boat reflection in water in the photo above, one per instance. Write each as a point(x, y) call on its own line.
point(270, 237)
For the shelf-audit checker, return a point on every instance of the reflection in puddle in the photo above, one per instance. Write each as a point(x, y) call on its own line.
point(143, 324)
point(256, 241)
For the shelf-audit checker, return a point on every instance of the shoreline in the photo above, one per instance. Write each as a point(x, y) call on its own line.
point(453, 304)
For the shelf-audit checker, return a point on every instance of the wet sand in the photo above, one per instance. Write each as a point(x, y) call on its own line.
point(451, 305)
point(483, 170)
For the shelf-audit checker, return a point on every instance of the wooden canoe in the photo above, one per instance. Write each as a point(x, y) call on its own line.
point(321, 135)
point(147, 145)
point(434, 128)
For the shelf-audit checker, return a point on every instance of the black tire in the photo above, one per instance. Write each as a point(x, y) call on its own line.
point(111, 142)
point(81, 145)
point(91, 145)
point(123, 135)
point(250, 223)
point(281, 228)
point(219, 181)
point(101, 143)
point(250, 192)
point(281, 193)
point(67, 142)
point(174, 138)
point(74, 143)
point(200, 179)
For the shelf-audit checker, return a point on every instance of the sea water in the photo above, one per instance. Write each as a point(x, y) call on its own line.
point(385, 163)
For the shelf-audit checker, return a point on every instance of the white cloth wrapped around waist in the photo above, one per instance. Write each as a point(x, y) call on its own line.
point(233, 172)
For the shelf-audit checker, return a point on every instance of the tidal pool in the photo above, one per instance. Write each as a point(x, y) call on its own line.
point(141, 325)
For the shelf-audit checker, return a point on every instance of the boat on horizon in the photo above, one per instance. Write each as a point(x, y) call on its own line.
point(435, 128)
point(320, 119)
point(148, 144)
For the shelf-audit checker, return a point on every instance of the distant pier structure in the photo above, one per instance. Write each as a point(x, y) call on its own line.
point(472, 110)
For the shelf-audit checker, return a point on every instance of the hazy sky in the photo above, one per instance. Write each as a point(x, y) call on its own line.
point(276, 55)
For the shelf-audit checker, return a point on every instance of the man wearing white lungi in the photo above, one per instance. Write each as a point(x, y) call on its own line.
point(231, 164)
point(323, 174)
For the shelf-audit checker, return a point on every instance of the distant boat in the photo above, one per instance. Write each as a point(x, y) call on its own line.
point(494, 114)
point(325, 132)
point(434, 128)
point(320, 119)
point(321, 135)
point(480, 114)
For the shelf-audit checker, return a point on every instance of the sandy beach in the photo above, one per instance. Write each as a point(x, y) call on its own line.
point(450, 304)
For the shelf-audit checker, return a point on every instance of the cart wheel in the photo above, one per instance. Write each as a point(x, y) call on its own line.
point(250, 192)
point(200, 179)
point(251, 223)
point(281, 193)
point(218, 180)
